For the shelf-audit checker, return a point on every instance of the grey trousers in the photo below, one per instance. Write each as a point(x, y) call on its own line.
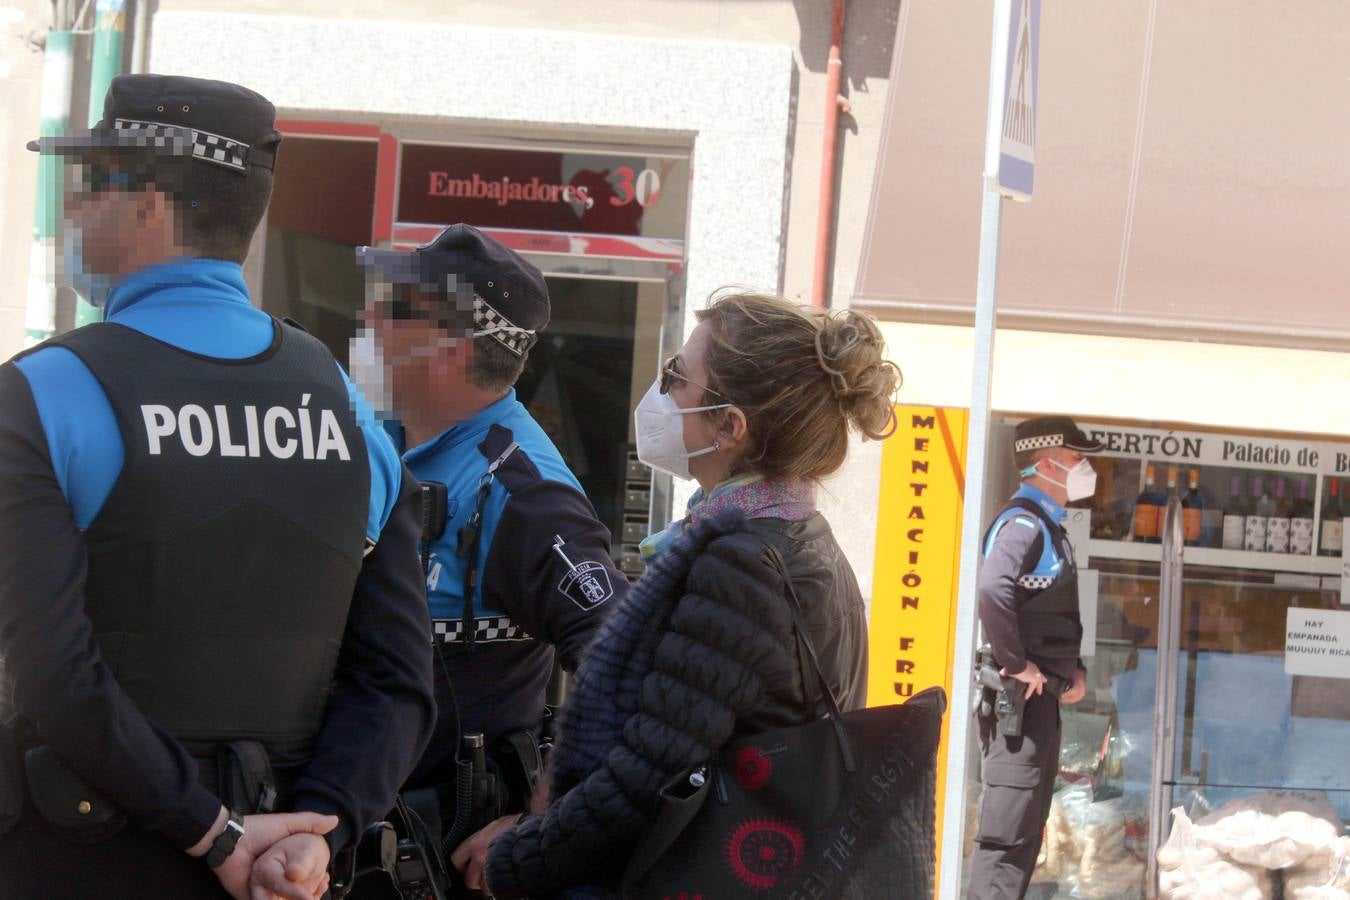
point(1018, 777)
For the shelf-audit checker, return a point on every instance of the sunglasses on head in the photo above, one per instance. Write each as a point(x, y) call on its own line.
point(669, 373)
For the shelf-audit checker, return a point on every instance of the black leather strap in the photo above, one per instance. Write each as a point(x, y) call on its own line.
point(799, 625)
point(226, 841)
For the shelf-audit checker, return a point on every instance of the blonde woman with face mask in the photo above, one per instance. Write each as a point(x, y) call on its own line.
point(757, 408)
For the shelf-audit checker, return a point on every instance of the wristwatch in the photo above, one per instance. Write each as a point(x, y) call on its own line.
point(224, 844)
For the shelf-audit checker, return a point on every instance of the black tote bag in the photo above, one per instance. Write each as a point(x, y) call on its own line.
point(840, 807)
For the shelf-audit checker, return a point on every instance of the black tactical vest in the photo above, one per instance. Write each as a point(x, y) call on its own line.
point(221, 565)
point(1048, 620)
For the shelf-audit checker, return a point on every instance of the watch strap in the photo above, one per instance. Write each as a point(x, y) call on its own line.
point(225, 842)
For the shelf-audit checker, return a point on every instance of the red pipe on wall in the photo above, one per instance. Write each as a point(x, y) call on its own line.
point(834, 102)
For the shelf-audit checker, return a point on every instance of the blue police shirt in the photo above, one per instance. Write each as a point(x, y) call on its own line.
point(199, 305)
point(61, 453)
point(545, 575)
point(1019, 552)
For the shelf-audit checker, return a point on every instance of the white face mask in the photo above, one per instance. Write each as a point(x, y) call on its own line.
point(1079, 483)
point(92, 287)
point(660, 432)
point(366, 365)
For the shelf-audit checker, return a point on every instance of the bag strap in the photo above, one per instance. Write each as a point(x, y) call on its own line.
point(804, 642)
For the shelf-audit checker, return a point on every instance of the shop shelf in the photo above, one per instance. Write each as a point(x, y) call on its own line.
point(1210, 556)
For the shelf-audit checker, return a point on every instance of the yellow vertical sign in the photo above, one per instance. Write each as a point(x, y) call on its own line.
point(918, 557)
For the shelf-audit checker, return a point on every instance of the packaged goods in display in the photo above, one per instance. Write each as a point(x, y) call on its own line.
point(1322, 877)
point(1087, 847)
point(1271, 829)
point(1188, 870)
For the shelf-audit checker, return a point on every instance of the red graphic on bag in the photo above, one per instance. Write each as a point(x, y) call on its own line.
point(753, 768)
point(762, 852)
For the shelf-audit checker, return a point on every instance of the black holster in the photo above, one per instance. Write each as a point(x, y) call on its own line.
point(1002, 697)
point(245, 780)
point(1005, 698)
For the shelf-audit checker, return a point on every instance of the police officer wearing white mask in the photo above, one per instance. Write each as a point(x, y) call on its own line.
point(1028, 590)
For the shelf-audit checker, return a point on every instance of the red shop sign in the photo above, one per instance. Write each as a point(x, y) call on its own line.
point(542, 190)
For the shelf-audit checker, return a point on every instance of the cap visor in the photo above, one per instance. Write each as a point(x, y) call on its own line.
point(394, 266)
point(1084, 444)
point(94, 141)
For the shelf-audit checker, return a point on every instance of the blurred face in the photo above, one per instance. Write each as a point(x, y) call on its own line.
point(123, 222)
point(425, 355)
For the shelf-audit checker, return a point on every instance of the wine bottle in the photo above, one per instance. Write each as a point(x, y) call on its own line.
point(1192, 509)
point(1258, 510)
point(1277, 523)
point(1165, 500)
point(1146, 512)
point(1234, 516)
point(1301, 521)
point(1330, 542)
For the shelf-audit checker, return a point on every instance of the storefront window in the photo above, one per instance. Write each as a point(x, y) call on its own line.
point(1263, 652)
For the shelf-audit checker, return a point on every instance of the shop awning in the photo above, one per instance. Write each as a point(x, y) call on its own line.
point(1193, 173)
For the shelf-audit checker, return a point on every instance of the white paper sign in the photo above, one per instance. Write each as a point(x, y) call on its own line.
point(1088, 584)
point(1317, 642)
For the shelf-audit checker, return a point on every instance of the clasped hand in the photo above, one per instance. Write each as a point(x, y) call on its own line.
point(281, 855)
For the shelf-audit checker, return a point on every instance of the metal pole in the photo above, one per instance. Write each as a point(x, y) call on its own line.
point(1163, 775)
point(109, 24)
point(977, 445)
point(140, 37)
point(834, 101)
point(40, 308)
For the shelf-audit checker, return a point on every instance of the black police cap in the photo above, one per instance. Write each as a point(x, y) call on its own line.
point(214, 122)
point(1052, 431)
point(510, 296)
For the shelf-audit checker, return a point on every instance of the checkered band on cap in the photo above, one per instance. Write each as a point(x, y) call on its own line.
point(1038, 443)
point(207, 147)
point(487, 321)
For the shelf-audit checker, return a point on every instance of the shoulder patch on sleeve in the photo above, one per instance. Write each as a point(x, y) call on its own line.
point(588, 585)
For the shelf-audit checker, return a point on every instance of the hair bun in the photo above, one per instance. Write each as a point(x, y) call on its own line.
point(850, 349)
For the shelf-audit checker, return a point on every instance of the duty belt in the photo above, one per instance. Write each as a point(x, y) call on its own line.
point(1004, 697)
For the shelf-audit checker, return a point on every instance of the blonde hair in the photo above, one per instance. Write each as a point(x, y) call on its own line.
point(801, 377)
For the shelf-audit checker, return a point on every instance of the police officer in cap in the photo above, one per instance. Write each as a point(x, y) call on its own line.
point(1028, 590)
point(210, 595)
point(520, 566)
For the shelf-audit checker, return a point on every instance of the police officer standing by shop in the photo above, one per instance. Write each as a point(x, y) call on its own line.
point(1028, 594)
point(210, 596)
point(518, 564)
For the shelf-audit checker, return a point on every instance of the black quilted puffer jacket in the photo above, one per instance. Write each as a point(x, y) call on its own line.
point(725, 664)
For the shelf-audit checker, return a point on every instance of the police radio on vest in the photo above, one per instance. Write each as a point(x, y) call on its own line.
point(282, 432)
